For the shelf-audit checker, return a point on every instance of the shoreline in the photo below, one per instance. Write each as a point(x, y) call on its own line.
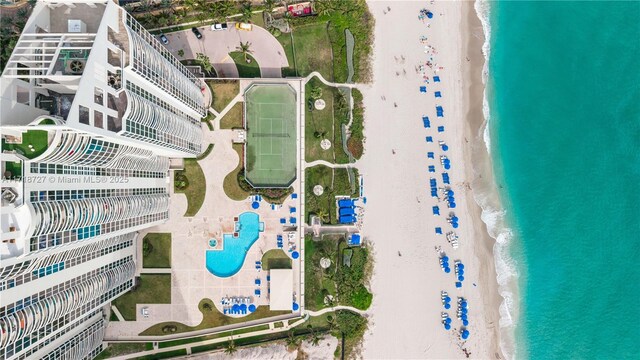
point(473, 40)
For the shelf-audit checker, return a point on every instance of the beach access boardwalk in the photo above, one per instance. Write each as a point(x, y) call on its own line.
point(272, 330)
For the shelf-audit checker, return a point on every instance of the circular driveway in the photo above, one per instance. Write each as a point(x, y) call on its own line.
point(217, 45)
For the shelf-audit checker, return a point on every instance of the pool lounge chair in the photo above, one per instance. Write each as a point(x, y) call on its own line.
point(423, 89)
point(436, 78)
point(438, 94)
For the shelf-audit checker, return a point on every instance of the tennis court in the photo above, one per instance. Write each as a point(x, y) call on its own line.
point(270, 113)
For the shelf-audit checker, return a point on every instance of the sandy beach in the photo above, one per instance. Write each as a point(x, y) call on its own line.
point(399, 221)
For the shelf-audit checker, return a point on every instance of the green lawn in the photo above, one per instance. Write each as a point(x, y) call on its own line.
point(223, 92)
point(335, 183)
point(245, 70)
point(36, 138)
point(163, 355)
point(286, 40)
point(167, 344)
point(119, 349)
point(212, 318)
point(156, 250)
point(230, 184)
point(15, 168)
point(313, 50)
point(319, 124)
point(355, 142)
point(151, 289)
point(196, 189)
point(233, 118)
point(276, 259)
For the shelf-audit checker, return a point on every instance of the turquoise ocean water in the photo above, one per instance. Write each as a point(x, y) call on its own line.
point(564, 101)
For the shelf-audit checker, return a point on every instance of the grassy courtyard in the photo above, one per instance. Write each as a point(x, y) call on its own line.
point(335, 183)
point(192, 183)
point(245, 70)
point(230, 184)
point(346, 284)
point(156, 250)
point(233, 118)
point(276, 259)
point(151, 289)
point(211, 318)
point(38, 139)
point(313, 50)
point(223, 92)
point(319, 123)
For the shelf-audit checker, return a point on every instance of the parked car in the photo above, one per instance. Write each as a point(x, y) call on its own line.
point(244, 26)
point(164, 39)
point(219, 26)
point(196, 32)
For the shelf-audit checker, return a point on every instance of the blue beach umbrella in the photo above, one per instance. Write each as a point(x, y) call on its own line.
point(445, 148)
point(296, 306)
point(252, 308)
point(453, 205)
point(243, 307)
point(461, 266)
point(447, 166)
point(455, 225)
point(463, 304)
point(429, 14)
point(464, 311)
point(447, 270)
point(460, 271)
point(447, 327)
point(458, 284)
point(447, 299)
point(255, 205)
point(295, 254)
point(445, 258)
point(447, 306)
point(463, 317)
point(460, 278)
point(447, 320)
point(465, 322)
point(465, 335)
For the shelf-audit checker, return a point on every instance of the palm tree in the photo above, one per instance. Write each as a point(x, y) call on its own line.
point(247, 12)
point(204, 61)
point(230, 348)
point(245, 49)
point(292, 340)
point(269, 5)
point(331, 323)
point(323, 215)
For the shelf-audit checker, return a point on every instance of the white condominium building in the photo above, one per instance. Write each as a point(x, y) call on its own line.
point(91, 109)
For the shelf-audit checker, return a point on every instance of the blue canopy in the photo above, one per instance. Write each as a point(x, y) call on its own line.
point(464, 310)
point(347, 211)
point(345, 203)
point(283, 221)
point(460, 278)
point(295, 254)
point(454, 218)
point(255, 205)
point(292, 209)
point(438, 94)
point(440, 128)
point(465, 335)
point(436, 210)
point(293, 220)
point(252, 308)
point(355, 239)
point(347, 219)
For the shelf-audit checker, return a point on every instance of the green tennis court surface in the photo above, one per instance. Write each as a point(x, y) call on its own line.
point(270, 111)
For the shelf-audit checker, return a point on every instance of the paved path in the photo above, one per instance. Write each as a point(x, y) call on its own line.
point(339, 307)
point(155, 271)
point(326, 163)
point(217, 45)
point(319, 76)
point(117, 312)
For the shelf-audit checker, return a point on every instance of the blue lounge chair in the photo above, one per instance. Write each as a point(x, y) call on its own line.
point(432, 168)
point(283, 221)
point(429, 139)
point(436, 210)
point(423, 89)
point(293, 220)
point(430, 155)
point(294, 196)
point(438, 94)
point(440, 128)
point(439, 230)
point(292, 210)
point(436, 78)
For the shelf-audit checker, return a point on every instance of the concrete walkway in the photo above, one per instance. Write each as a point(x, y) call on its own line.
point(117, 312)
point(335, 308)
point(155, 271)
point(326, 163)
point(319, 76)
point(217, 45)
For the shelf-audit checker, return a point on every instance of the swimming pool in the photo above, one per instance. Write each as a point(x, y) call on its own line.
point(229, 260)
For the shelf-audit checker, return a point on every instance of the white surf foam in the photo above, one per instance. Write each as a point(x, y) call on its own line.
point(494, 215)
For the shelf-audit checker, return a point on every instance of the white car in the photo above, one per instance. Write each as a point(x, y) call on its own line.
point(219, 27)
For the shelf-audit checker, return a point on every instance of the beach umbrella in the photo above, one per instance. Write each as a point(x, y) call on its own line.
point(463, 317)
point(458, 284)
point(461, 266)
point(429, 14)
point(465, 322)
point(255, 204)
point(455, 219)
point(463, 304)
point(445, 148)
point(447, 166)
point(455, 225)
point(465, 335)
point(252, 308)
point(445, 258)
point(447, 306)
point(460, 278)
point(447, 269)
point(243, 307)
point(460, 271)
point(453, 205)
point(447, 320)
point(447, 326)
point(447, 299)
point(296, 306)
point(295, 255)
point(464, 311)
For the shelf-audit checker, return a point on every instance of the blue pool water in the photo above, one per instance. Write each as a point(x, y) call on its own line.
point(227, 262)
point(564, 101)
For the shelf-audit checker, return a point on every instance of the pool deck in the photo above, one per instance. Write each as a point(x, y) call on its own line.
point(191, 281)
